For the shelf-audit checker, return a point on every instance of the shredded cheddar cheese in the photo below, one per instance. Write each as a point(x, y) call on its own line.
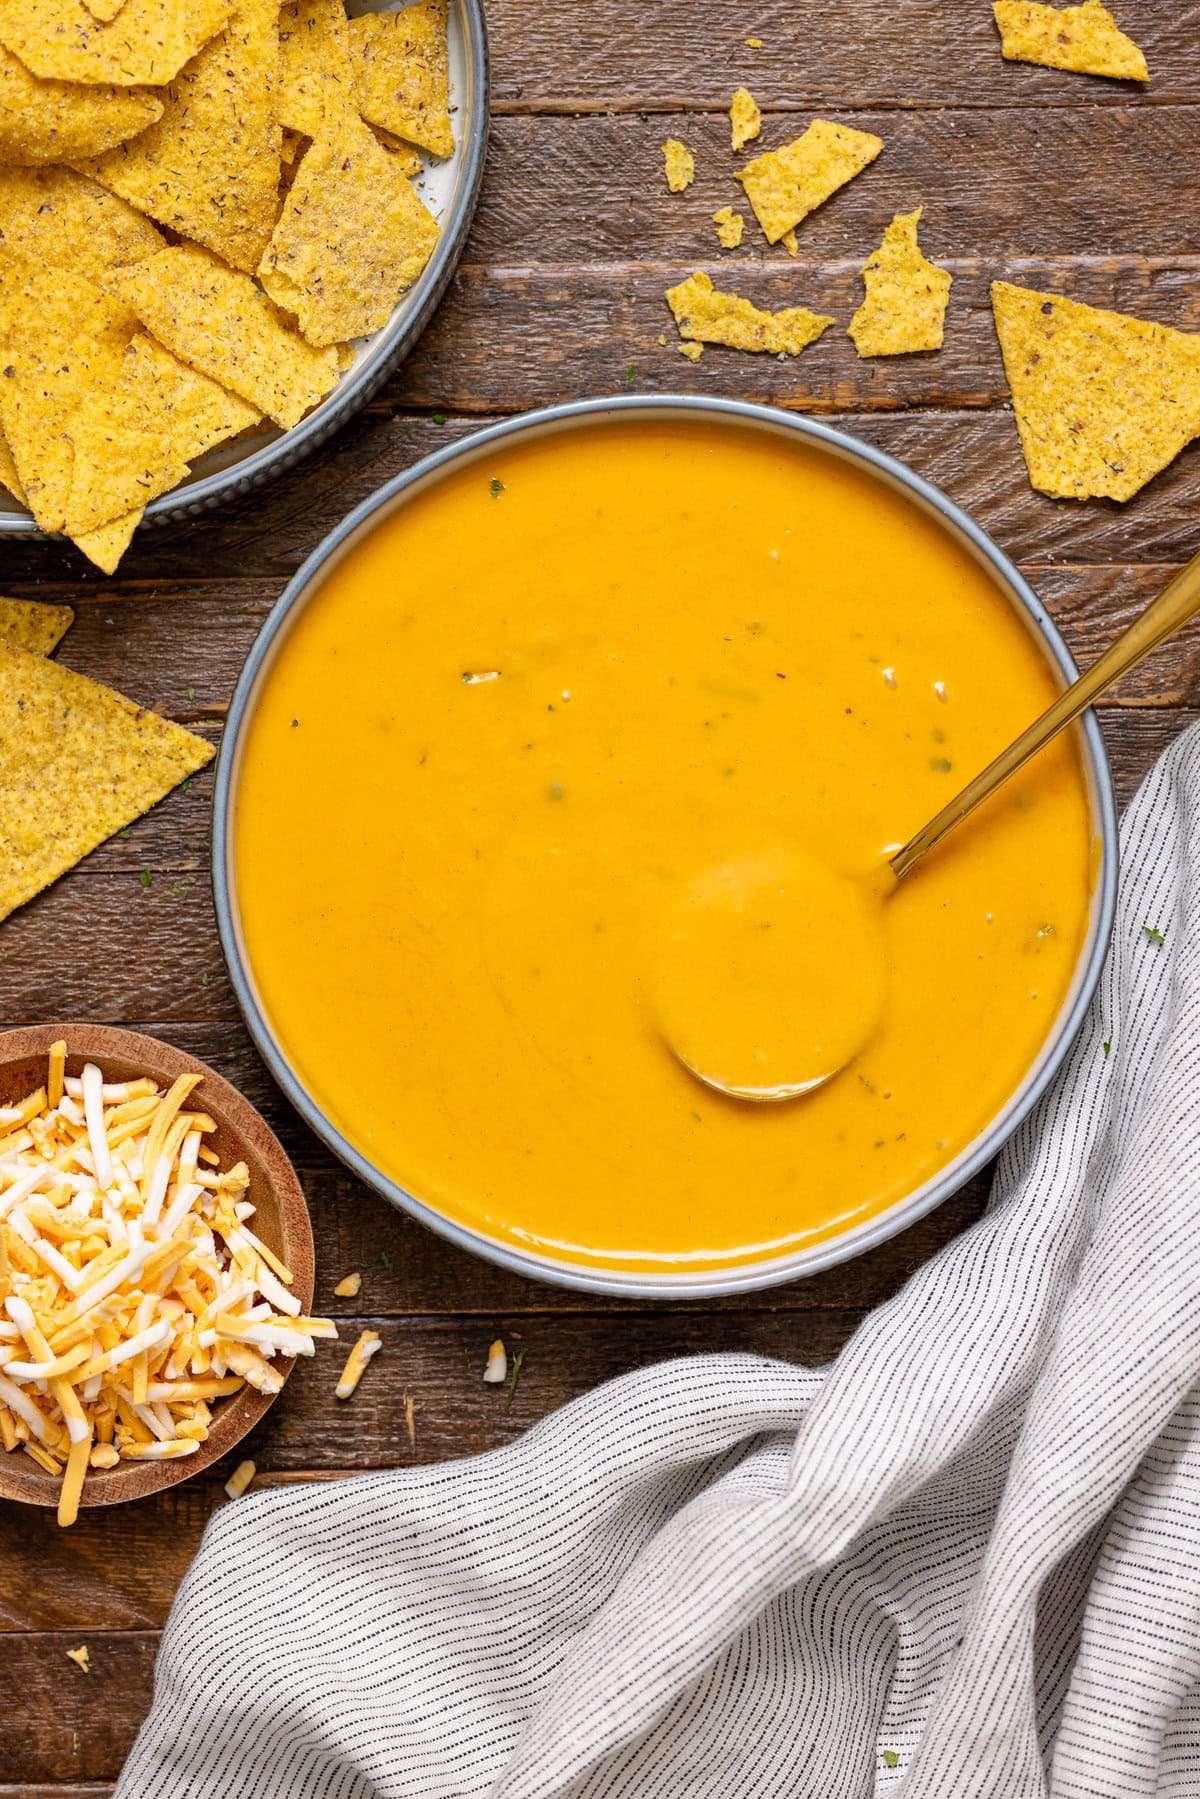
point(240, 1479)
point(133, 1291)
point(369, 1344)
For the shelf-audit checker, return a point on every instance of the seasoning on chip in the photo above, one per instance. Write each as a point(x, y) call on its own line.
point(55, 121)
point(63, 336)
point(215, 319)
point(31, 625)
point(679, 165)
point(1084, 38)
point(145, 45)
point(161, 393)
point(745, 120)
point(402, 68)
point(906, 298)
point(705, 315)
point(209, 168)
point(315, 71)
point(352, 237)
point(1103, 401)
point(784, 186)
point(54, 215)
point(77, 762)
point(730, 226)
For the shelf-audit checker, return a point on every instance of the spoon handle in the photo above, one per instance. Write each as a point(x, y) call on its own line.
point(1176, 604)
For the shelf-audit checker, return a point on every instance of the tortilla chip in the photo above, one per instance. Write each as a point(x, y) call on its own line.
point(784, 186)
point(106, 545)
point(9, 477)
point(29, 625)
point(906, 296)
point(730, 226)
point(161, 393)
point(408, 160)
point(209, 168)
point(52, 121)
point(745, 120)
point(216, 320)
point(704, 315)
point(679, 165)
point(1103, 402)
point(63, 338)
point(77, 762)
point(1082, 38)
point(315, 71)
point(352, 238)
point(144, 46)
point(117, 468)
point(56, 216)
point(402, 69)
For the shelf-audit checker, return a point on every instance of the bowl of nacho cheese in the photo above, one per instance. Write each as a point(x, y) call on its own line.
point(222, 225)
point(527, 689)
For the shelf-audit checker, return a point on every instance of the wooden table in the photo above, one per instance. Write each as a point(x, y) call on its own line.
point(1085, 186)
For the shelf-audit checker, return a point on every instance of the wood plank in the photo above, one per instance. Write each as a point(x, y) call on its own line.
point(973, 456)
point(588, 190)
point(814, 56)
point(63, 1726)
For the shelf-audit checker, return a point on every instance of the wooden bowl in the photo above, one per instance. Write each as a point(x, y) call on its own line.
point(281, 1220)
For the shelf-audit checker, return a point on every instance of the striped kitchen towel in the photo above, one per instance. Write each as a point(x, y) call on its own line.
point(961, 1563)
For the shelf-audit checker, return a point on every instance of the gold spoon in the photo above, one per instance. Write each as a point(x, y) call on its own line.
point(737, 927)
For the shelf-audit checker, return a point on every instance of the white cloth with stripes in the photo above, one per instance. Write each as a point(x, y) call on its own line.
point(964, 1561)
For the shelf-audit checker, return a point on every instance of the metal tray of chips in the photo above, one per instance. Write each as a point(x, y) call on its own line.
point(450, 189)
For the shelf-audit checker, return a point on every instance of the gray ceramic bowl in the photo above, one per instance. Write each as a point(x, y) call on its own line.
point(974, 542)
point(450, 188)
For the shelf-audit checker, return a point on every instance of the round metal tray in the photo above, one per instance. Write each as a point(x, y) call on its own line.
point(450, 188)
point(744, 1277)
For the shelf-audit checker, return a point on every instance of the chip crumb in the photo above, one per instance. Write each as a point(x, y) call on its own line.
point(679, 165)
point(349, 1287)
point(730, 226)
point(745, 120)
point(496, 1371)
point(240, 1479)
point(80, 1657)
point(1084, 39)
point(1102, 401)
point(705, 315)
point(788, 240)
point(753, 43)
point(784, 186)
point(693, 352)
point(906, 296)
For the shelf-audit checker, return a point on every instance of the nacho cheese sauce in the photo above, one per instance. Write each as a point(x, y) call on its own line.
point(530, 707)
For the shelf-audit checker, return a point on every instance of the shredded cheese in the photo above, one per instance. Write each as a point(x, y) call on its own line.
point(80, 1658)
point(496, 1372)
point(132, 1289)
point(350, 1287)
point(240, 1479)
point(369, 1344)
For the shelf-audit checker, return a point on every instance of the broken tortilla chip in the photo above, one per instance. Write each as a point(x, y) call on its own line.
point(215, 319)
point(679, 165)
point(704, 315)
point(745, 120)
point(316, 75)
point(63, 338)
point(56, 216)
point(784, 186)
point(1103, 401)
point(30, 625)
point(353, 237)
point(1085, 39)
point(906, 298)
point(402, 71)
point(730, 226)
point(77, 762)
point(145, 45)
point(55, 121)
point(209, 168)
